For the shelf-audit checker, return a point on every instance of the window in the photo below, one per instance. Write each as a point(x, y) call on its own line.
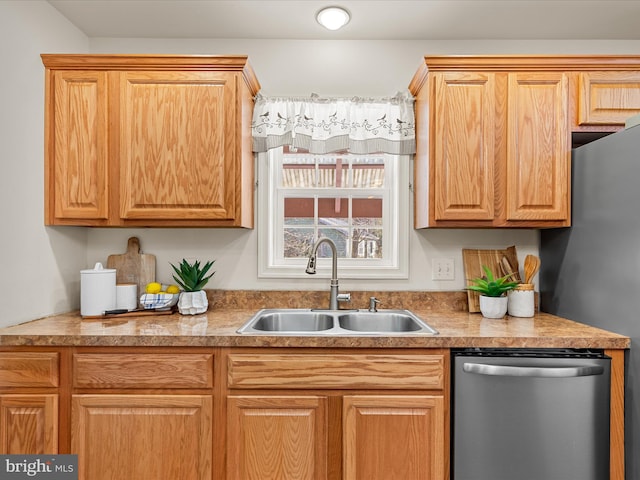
point(361, 202)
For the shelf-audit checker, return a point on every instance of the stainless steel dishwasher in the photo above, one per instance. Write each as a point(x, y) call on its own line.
point(540, 414)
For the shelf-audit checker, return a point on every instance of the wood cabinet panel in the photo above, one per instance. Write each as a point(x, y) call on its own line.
point(146, 437)
point(177, 145)
point(608, 98)
point(277, 437)
point(28, 424)
point(538, 145)
point(142, 370)
point(29, 369)
point(463, 174)
point(389, 437)
point(617, 430)
point(336, 371)
point(77, 183)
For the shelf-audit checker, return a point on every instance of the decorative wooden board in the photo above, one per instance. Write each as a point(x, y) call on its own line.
point(473, 261)
point(133, 266)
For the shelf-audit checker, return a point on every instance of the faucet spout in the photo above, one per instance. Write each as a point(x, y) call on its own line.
point(311, 264)
point(334, 296)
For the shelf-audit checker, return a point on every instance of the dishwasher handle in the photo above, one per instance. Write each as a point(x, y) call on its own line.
point(543, 372)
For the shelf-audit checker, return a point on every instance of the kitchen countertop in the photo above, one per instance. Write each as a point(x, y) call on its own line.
point(217, 328)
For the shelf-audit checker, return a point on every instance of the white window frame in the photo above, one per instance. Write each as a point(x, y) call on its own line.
point(396, 221)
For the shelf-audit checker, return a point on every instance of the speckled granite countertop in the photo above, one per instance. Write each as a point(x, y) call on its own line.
point(444, 311)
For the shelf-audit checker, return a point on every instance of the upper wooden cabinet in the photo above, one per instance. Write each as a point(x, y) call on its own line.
point(494, 134)
point(538, 168)
point(463, 170)
point(493, 144)
point(608, 98)
point(148, 140)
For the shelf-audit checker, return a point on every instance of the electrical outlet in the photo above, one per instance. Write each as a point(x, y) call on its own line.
point(442, 269)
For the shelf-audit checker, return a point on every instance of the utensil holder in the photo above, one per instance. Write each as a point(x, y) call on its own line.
point(521, 301)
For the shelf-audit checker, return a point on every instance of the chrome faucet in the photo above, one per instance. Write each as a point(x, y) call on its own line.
point(334, 296)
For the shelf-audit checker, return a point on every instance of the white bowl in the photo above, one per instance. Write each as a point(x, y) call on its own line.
point(159, 300)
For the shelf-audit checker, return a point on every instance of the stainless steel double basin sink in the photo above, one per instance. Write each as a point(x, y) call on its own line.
point(335, 322)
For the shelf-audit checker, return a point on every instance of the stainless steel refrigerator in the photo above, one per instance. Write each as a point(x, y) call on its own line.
point(591, 271)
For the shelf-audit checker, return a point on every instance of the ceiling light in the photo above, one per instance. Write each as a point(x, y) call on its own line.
point(333, 18)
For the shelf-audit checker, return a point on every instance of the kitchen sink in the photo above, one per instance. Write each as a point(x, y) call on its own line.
point(335, 322)
point(292, 321)
point(380, 322)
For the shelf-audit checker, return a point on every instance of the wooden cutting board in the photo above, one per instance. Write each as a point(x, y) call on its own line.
point(473, 261)
point(133, 266)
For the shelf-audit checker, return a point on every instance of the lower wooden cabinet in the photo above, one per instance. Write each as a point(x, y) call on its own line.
point(189, 413)
point(29, 402)
point(319, 415)
point(387, 437)
point(144, 414)
point(383, 437)
point(277, 437)
point(142, 437)
point(28, 424)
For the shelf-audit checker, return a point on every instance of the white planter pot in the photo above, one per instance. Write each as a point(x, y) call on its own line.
point(493, 307)
point(193, 303)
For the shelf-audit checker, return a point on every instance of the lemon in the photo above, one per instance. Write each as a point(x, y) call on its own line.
point(153, 287)
point(173, 289)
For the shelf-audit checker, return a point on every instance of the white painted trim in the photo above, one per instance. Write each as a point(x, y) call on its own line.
point(396, 244)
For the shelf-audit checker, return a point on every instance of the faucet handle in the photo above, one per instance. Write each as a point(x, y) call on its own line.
point(344, 297)
point(373, 304)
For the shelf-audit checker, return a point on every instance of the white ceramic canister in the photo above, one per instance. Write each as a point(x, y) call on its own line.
point(126, 296)
point(521, 301)
point(97, 290)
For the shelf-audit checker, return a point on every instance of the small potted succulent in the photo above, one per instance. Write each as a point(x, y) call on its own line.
point(493, 293)
point(192, 278)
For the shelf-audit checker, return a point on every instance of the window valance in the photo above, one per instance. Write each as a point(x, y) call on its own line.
point(324, 125)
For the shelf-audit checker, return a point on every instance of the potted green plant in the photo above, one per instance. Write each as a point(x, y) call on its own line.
point(192, 278)
point(493, 293)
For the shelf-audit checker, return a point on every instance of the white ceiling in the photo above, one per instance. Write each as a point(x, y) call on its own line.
point(371, 19)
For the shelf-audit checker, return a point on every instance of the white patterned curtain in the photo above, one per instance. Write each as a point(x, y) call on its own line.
point(324, 125)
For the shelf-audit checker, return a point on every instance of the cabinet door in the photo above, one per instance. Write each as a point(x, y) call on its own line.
point(28, 424)
point(538, 147)
point(608, 98)
point(277, 438)
point(77, 147)
point(177, 145)
point(463, 144)
point(142, 437)
point(393, 437)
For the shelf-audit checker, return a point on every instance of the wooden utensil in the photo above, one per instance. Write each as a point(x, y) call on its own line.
point(133, 266)
point(509, 270)
point(531, 267)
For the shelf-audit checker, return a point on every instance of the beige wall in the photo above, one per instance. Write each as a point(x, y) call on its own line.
point(40, 265)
